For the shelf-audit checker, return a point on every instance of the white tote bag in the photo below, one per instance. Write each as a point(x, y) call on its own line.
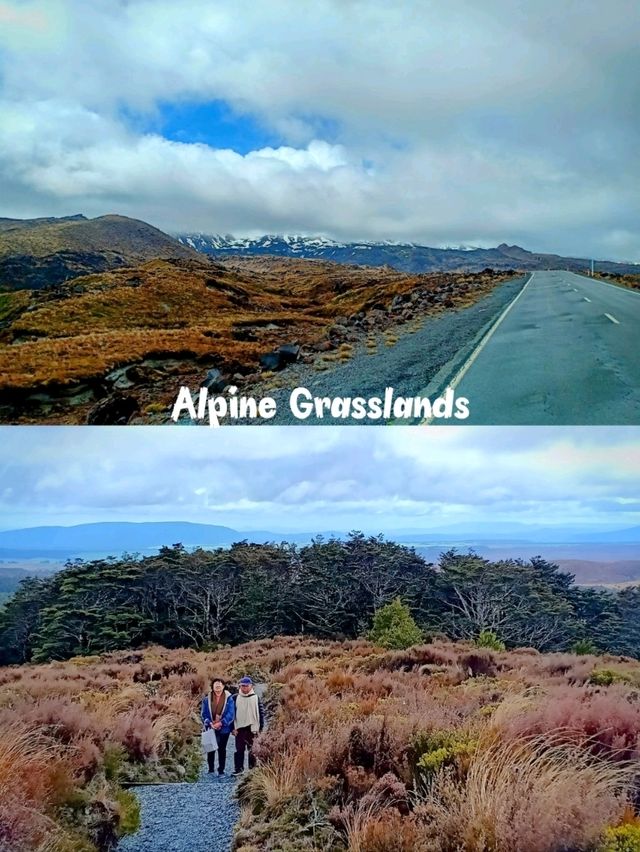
point(208, 740)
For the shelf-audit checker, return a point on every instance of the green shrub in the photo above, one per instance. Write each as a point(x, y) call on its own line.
point(113, 760)
point(605, 677)
point(438, 749)
point(394, 627)
point(489, 639)
point(129, 812)
point(583, 647)
point(622, 838)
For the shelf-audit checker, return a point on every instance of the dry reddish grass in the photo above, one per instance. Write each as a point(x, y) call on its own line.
point(524, 753)
point(521, 749)
point(69, 732)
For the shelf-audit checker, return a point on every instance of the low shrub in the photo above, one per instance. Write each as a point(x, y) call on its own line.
point(622, 838)
point(394, 627)
point(489, 639)
point(443, 749)
point(605, 677)
point(583, 648)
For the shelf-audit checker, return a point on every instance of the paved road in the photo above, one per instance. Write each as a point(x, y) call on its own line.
point(565, 352)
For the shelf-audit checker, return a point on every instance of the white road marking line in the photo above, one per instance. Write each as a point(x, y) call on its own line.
point(585, 298)
point(613, 319)
point(461, 372)
point(620, 289)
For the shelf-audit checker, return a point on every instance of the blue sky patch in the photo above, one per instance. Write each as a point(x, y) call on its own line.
point(213, 123)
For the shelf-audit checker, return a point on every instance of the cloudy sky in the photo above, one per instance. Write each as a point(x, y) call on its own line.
point(289, 479)
point(442, 123)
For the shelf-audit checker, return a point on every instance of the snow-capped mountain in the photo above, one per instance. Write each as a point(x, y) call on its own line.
point(407, 257)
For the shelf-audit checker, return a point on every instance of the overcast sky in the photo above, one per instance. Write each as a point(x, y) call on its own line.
point(437, 122)
point(288, 479)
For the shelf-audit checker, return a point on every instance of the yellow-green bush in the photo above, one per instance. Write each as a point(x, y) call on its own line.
point(439, 749)
point(622, 838)
point(129, 812)
point(605, 677)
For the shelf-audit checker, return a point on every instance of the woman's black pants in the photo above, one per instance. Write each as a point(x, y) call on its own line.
point(222, 739)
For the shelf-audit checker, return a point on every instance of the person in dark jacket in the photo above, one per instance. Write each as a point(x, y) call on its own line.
point(218, 712)
point(249, 721)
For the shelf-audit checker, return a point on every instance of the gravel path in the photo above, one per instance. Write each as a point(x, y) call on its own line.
point(189, 817)
point(419, 363)
point(196, 817)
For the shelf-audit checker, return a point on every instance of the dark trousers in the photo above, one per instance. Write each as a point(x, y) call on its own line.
point(222, 740)
point(244, 742)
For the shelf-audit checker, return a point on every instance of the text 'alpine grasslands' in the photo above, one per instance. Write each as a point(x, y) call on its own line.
point(303, 405)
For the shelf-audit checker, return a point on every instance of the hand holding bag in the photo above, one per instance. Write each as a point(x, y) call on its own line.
point(208, 740)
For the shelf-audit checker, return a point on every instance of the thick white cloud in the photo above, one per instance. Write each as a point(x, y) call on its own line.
point(449, 122)
point(285, 478)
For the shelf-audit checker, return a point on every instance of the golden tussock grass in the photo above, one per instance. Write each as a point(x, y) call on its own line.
point(192, 309)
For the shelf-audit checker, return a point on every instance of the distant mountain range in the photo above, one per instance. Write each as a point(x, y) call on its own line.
point(48, 251)
point(406, 257)
point(117, 537)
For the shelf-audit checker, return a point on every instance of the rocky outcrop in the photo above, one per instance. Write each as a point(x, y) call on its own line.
point(27, 272)
point(114, 410)
point(279, 358)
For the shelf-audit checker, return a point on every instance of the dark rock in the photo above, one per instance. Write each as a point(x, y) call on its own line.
point(270, 361)
point(119, 379)
point(241, 332)
point(289, 353)
point(399, 300)
point(214, 381)
point(279, 358)
point(114, 410)
point(139, 374)
point(338, 332)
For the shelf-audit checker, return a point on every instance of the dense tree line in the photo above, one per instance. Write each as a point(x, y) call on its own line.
point(330, 588)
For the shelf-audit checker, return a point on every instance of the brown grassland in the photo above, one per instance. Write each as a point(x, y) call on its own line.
point(441, 747)
point(187, 315)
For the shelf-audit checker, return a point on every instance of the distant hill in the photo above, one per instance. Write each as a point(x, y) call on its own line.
point(113, 538)
point(101, 539)
point(407, 257)
point(36, 253)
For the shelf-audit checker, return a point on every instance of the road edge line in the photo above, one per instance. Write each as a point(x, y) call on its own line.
point(483, 342)
point(619, 287)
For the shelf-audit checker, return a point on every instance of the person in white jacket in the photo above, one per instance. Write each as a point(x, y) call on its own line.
point(249, 721)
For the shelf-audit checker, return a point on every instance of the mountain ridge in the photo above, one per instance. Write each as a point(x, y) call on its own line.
point(37, 253)
point(404, 256)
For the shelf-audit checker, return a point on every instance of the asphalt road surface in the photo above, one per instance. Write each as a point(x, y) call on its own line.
point(565, 351)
